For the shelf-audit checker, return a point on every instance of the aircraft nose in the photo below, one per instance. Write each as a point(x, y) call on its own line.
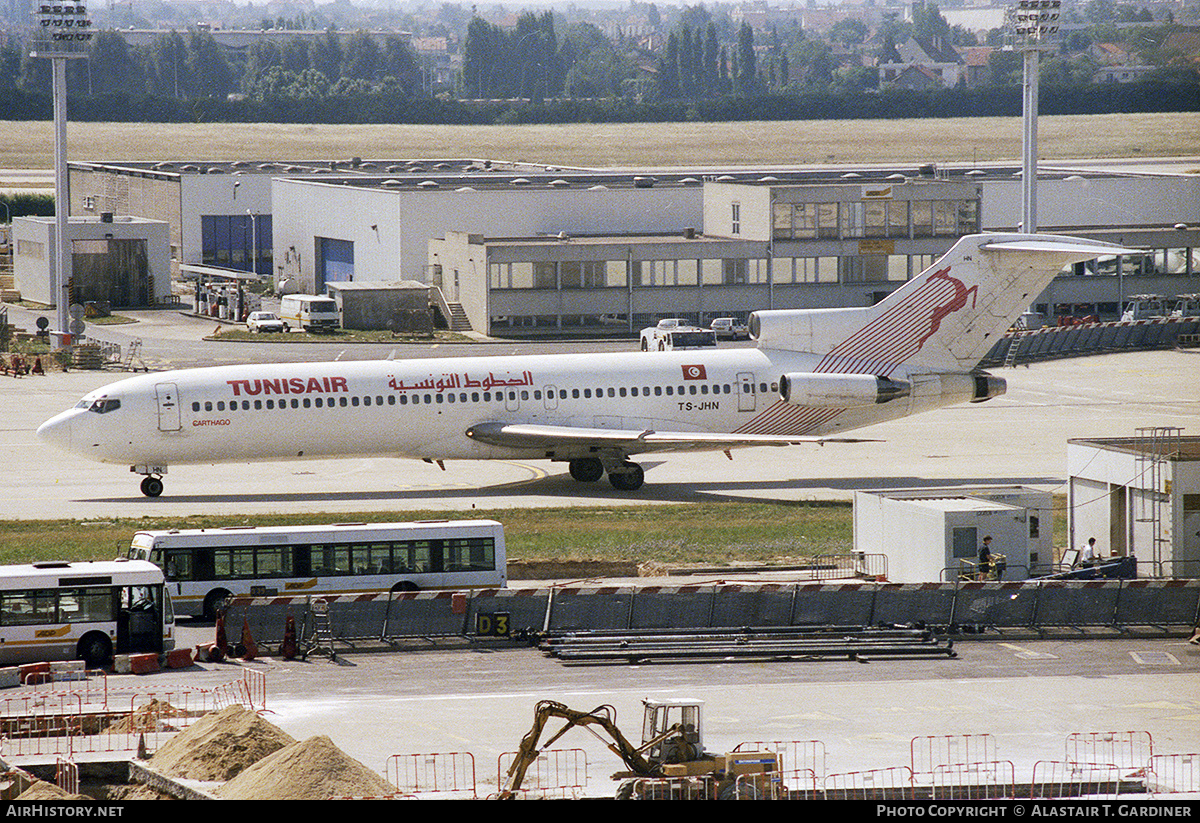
point(57, 430)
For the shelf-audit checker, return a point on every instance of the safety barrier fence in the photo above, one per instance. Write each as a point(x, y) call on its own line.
point(554, 774)
point(66, 775)
point(891, 783)
point(987, 780)
point(927, 754)
point(796, 756)
point(1174, 773)
point(445, 775)
point(1129, 751)
point(953, 607)
point(1089, 338)
point(1133, 770)
point(91, 717)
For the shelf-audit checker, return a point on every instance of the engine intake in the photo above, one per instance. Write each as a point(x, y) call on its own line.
point(840, 391)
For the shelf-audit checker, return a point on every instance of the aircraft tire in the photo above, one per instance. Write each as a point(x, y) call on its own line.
point(152, 486)
point(586, 469)
point(628, 481)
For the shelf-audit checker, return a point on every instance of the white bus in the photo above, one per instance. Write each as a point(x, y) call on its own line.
point(58, 610)
point(204, 567)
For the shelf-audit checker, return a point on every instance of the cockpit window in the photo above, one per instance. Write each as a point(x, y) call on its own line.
point(104, 405)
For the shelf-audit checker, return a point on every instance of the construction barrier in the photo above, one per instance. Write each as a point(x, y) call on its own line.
point(739, 605)
point(445, 775)
point(94, 715)
point(555, 774)
point(1129, 751)
point(1174, 773)
point(988, 780)
point(971, 607)
point(927, 754)
point(1001, 605)
point(905, 604)
point(942, 767)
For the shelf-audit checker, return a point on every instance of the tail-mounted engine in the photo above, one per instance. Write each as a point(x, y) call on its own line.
point(840, 391)
point(987, 387)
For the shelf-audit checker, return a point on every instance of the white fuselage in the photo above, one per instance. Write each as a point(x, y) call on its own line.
point(423, 408)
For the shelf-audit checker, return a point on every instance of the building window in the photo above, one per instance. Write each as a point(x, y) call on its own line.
point(736, 221)
point(544, 276)
point(237, 241)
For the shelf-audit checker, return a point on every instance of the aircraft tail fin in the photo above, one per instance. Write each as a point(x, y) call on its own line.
point(945, 319)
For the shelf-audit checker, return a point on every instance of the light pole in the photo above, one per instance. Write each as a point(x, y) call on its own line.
point(1035, 28)
point(63, 33)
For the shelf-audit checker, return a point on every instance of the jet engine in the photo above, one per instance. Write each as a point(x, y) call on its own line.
point(840, 391)
point(988, 386)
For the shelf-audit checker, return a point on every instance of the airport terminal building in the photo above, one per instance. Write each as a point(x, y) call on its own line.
point(523, 250)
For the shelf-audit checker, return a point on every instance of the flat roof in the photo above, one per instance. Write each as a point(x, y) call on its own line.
point(1172, 448)
point(436, 172)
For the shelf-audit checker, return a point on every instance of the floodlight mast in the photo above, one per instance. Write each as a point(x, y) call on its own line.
point(1034, 28)
point(63, 33)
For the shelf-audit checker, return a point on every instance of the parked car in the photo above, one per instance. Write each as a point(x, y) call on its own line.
point(260, 321)
point(730, 328)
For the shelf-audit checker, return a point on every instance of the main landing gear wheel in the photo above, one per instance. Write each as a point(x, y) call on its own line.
point(152, 486)
point(629, 479)
point(586, 469)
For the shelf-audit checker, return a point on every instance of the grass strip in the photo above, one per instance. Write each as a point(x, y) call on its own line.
point(685, 533)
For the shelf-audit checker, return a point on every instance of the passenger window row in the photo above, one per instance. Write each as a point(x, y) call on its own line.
point(344, 401)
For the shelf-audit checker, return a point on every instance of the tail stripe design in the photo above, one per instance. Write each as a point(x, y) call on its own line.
point(891, 338)
point(898, 333)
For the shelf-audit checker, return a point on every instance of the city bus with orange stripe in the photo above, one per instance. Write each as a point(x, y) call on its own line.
point(59, 610)
point(205, 567)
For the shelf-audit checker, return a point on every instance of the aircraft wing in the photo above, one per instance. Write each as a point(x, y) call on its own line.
point(629, 441)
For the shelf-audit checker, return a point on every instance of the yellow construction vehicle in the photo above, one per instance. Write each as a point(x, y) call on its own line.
point(670, 762)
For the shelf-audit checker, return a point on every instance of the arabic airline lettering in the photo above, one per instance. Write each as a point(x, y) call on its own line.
point(815, 375)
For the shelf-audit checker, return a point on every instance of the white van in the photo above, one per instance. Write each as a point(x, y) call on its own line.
point(310, 312)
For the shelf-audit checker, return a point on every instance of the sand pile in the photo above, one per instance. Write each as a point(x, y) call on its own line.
point(313, 769)
point(41, 790)
point(151, 717)
point(219, 746)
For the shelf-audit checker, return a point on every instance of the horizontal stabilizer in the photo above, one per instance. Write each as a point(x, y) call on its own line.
point(1085, 249)
point(628, 441)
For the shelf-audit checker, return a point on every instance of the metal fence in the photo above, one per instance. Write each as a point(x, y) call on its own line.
point(959, 608)
point(943, 767)
point(92, 715)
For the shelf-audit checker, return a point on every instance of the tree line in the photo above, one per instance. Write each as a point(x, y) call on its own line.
point(192, 66)
point(540, 72)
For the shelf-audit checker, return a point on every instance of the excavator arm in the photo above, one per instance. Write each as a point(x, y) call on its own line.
point(602, 716)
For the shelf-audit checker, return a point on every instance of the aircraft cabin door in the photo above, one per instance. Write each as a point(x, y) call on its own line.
point(167, 395)
point(746, 395)
point(551, 398)
point(511, 400)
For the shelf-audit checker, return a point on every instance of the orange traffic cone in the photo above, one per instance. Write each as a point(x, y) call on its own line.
point(251, 650)
point(289, 649)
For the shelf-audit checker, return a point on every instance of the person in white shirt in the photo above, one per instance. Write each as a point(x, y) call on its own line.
point(1087, 555)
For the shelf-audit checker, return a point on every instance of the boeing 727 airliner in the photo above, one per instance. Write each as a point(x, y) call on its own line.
point(816, 374)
